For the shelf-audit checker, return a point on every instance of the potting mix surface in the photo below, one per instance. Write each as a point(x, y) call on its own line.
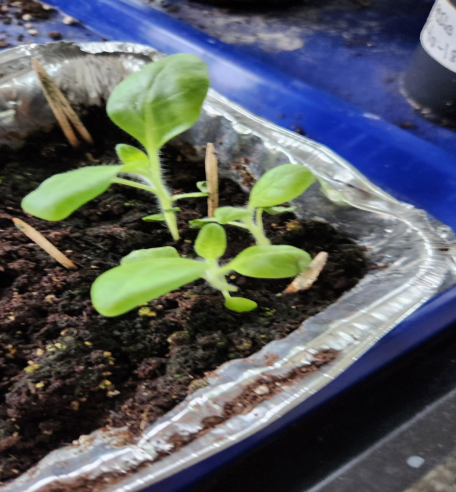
point(65, 369)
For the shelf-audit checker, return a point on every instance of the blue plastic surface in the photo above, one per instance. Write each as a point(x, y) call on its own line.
point(402, 164)
point(357, 54)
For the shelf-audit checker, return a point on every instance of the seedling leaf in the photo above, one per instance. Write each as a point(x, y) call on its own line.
point(211, 242)
point(230, 214)
point(271, 261)
point(279, 210)
point(154, 218)
point(240, 304)
point(279, 185)
point(198, 223)
point(161, 100)
point(202, 186)
point(60, 195)
point(148, 254)
point(135, 160)
point(121, 289)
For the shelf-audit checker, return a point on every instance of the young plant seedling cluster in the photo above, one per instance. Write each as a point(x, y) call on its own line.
point(279, 185)
point(154, 105)
point(146, 274)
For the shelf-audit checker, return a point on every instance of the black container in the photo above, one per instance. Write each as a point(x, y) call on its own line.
point(430, 81)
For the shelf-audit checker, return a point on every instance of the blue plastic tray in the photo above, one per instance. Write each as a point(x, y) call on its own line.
point(354, 53)
point(405, 166)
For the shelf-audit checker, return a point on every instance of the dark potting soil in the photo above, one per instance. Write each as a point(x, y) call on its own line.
point(65, 370)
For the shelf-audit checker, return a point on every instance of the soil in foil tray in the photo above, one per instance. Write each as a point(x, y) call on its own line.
point(65, 370)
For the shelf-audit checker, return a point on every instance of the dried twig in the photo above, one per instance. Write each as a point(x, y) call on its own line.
point(308, 276)
point(61, 107)
point(212, 180)
point(39, 239)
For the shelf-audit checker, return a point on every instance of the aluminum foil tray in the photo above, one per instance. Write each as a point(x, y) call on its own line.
point(416, 249)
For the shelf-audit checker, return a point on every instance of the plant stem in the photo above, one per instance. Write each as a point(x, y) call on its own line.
point(164, 198)
point(215, 275)
point(133, 184)
point(226, 294)
point(256, 229)
point(238, 224)
point(259, 222)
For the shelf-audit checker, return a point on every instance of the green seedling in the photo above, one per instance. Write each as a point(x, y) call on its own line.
point(279, 185)
point(147, 274)
point(153, 106)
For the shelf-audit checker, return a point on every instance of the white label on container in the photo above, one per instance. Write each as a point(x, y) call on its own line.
point(438, 36)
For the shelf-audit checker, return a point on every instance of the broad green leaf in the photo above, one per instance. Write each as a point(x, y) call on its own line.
point(230, 214)
point(198, 223)
point(202, 186)
point(148, 254)
point(240, 304)
point(271, 261)
point(279, 210)
point(279, 185)
point(62, 194)
point(121, 289)
point(211, 242)
point(135, 160)
point(161, 100)
point(154, 218)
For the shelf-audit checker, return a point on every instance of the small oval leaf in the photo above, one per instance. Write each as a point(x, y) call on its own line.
point(240, 304)
point(161, 100)
point(62, 194)
point(121, 289)
point(211, 242)
point(148, 254)
point(135, 160)
point(154, 218)
point(230, 214)
point(281, 184)
point(271, 261)
point(202, 186)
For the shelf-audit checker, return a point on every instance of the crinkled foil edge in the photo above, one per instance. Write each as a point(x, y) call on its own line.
point(416, 248)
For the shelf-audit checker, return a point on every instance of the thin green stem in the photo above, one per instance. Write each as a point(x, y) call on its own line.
point(215, 275)
point(257, 232)
point(226, 294)
point(259, 221)
point(133, 184)
point(223, 270)
point(164, 198)
point(238, 224)
point(196, 194)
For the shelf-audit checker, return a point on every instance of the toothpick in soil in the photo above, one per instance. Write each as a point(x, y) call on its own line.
point(61, 108)
point(212, 180)
point(308, 276)
point(43, 243)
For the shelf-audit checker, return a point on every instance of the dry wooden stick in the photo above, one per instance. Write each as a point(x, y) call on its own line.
point(212, 180)
point(308, 276)
point(41, 241)
point(61, 108)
